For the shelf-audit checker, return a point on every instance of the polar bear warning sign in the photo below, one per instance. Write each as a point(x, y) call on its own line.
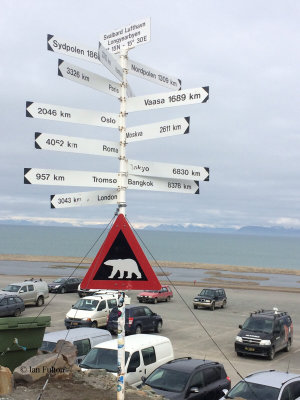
point(120, 263)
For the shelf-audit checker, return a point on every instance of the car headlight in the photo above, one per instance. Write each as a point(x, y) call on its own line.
point(56, 286)
point(265, 343)
point(207, 301)
point(86, 319)
point(238, 339)
point(195, 299)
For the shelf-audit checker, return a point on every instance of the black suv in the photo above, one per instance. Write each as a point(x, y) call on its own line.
point(11, 305)
point(138, 319)
point(188, 378)
point(210, 298)
point(264, 333)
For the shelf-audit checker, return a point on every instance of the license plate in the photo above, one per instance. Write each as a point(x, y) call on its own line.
point(74, 323)
point(249, 348)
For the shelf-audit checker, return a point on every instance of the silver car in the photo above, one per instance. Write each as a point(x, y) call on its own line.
point(266, 385)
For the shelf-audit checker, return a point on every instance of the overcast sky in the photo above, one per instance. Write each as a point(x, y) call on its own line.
point(247, 52)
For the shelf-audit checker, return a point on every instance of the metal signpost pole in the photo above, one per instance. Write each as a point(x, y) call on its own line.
point(122, 210)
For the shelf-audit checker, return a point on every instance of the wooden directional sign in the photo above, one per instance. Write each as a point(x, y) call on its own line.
point(152, 75)
point(82, 199)
point(129, 36)
point(156, 130)
point(163, 170)
point(68, 114)
point(120, 263)
point(110, 62)
point(161, 100)
point(163, 185)
point(49, 141)
point(39, 176)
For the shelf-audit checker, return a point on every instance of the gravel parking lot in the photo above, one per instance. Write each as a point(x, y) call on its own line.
point(201, 333)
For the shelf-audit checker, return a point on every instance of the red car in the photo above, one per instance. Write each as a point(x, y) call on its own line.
point(154, 296)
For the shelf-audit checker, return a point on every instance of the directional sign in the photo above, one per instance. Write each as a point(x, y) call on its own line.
point(39, 176)
point(110, 62)
point(162, 170)
point(68, 114)
point(161, 100)
point(152, 75)
point(88, 78)
point(120, 263)
point(129, 36)
point(163, 185)
point(49, 141)
point(82, 199)
point(161, 129)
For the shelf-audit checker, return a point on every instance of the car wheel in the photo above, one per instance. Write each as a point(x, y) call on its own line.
point(271, 353)
point(239, 354)
point(63, 290)
point(94, 324)
point(138, 329)
point(17, 312)
point(140, 301)
point(224, 304)
point(168, 298)
point(155, 300)
point(212, 307)
point(195, 307)
point(158, 327)
point(40, 301)
point(288, 345)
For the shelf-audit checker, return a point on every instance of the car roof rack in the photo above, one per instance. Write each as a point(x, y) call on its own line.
point(274, 313)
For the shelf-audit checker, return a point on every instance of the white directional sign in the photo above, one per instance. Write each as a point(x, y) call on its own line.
point(49, 141)
point(129, 36)
point(83, 199)
point(162, 170)
point(163, 185)
point(110, 62)
point(39, 176)
point(68, 114)
point(177, 126)
point(161, 100)
point(152, 75)
point(63, 46)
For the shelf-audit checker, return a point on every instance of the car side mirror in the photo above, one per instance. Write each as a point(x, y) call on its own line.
point(194, 389)
point(225, 391)
point(154, 313)
point(143, 378)
point(21, 291)
point(241, 326)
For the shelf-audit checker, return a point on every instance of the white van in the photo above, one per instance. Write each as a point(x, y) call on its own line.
point(143, 354)
point(83, 338)
point(92, 311)
point(32, 291)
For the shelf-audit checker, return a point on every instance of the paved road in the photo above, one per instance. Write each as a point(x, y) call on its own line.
point(200, 333)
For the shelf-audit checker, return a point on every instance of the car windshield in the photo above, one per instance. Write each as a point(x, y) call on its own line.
point(102, 359)
point(47, 346)
point(252, 391)
point(86, 304)
point(168, 379)
point(258, 325)
point(60, 280)
point(207, 292)
point(12, 288)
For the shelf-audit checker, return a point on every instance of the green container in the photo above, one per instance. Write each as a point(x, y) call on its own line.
point(20, 338)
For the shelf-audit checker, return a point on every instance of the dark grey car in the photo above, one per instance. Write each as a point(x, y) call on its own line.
point(11, 305)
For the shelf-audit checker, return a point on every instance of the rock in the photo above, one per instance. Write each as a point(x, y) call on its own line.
point(67, 350)
point(6, 381)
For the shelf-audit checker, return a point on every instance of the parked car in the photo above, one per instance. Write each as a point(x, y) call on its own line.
point(138, 319)
point(91, 311)
point(267, 385)
point(189, 378)
point(210, 298)
point(32, 291)
point(63, 285)
point(85, 292)
point(143, 354)
point(154, 296)
point(264, 333)
point(83, 338)
point(11, 305)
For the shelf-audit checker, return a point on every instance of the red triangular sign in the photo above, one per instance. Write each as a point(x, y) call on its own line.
point(120, 263)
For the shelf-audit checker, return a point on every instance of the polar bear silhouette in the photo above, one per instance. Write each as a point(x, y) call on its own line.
point(123, 265)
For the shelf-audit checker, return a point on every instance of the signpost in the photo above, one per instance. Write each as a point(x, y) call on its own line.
point(70, 144)
point(68, 114)
point(82, 199)
point(163, 185)
point(157, 130)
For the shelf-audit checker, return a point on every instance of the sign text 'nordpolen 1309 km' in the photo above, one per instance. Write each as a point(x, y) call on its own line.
point(171, 99)
point(70, 144)
point(68, 114)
